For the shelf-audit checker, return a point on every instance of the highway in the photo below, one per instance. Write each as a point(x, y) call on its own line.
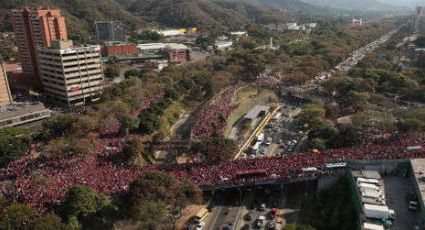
point(354, 58)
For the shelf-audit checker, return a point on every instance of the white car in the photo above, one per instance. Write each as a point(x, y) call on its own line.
point(200, 225)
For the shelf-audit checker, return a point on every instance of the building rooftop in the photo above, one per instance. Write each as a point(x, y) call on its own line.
point(418, 167)
point(117, 43)
point(20, 113)
point(254, 112)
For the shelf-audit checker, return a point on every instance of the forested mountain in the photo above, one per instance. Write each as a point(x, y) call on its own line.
point(205, 14)
point(211, 15)
point(360, 5)
point(293, 6)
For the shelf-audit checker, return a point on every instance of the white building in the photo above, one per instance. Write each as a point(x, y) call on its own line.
point(223, 45)
point(171, 33)
point(71, 75)
point(239, 33)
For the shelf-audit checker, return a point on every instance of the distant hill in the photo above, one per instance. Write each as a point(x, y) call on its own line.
point(356, 5)
point(205, 14)
point(212, 14)
point(294, 6)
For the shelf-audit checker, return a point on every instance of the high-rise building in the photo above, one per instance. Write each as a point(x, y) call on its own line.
point(36, 28)
point(71, 75)
point(109, 30)
point(5, 95)
point(419, 20)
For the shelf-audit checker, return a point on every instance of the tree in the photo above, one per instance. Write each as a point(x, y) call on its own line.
point(310, 115)
point(48, 222)
point(82, 201)
point(132, 73)
point(132, 150)
point(156, 195)
point(374, 122)
point(149, 35)
point(17, 216)
point(172, 94)
point(112, 71)
point(215, 149)
point(154, 186)
point(14, 143)
point(64, 147)
point(411, 125)
point(420, 41)
point(128, 124)
point(357, 100)
point(298, 227)
point(149, 122)
point(151, 215)
point(58, 126)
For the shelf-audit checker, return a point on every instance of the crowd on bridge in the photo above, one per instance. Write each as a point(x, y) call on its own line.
point(42, 185)
point(291, 167)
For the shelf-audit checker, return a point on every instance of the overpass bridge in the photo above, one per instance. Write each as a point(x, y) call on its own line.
point(295, 167)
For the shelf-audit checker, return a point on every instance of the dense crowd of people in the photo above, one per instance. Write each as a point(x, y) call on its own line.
point(42, 182)
point(48, 185)
point(291, 166)
point(212, 118)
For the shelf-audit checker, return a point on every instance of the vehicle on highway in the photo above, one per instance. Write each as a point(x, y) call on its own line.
point(200, 216)
point(226, 211)
point(200, 225)
point(260, 221)
point(269, 141)
point(248, 216)
point(228, 227)
point(245, 227)
point(271, 225)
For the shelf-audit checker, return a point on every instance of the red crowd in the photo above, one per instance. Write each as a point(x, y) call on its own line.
point(41, 185)
point(212, 118)
point(291, 167)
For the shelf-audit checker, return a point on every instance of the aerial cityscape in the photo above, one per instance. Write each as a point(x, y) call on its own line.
point(212, 114)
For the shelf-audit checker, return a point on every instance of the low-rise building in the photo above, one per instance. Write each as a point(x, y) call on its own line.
point(22, 113)
point(357, 22)
point(71, 75)
point(173, 52)
point(5, 94)
point(177, 53)
point(111, 49)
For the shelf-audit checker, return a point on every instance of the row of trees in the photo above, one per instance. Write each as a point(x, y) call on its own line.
point(152, 199)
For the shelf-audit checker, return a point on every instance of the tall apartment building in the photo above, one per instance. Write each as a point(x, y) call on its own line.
point(5, 95)
point(109, 30)
point(71, 75)
point(36, 28)
point(419, 18)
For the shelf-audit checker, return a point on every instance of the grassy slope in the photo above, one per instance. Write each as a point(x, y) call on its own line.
point(246, 98)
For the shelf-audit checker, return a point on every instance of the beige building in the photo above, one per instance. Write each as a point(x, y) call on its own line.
point(71, 75)
point(5, 95)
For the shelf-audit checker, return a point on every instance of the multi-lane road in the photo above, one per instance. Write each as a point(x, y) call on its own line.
point(354, 58)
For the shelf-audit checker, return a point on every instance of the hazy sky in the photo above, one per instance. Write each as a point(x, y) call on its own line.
point(407, 3)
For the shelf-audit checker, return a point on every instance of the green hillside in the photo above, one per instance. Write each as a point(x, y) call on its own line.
point(208, 15)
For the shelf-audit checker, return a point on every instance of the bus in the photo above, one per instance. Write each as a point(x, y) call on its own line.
point(310, 169)
point(251, 173)
point(369, 181)
point(339, 165)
